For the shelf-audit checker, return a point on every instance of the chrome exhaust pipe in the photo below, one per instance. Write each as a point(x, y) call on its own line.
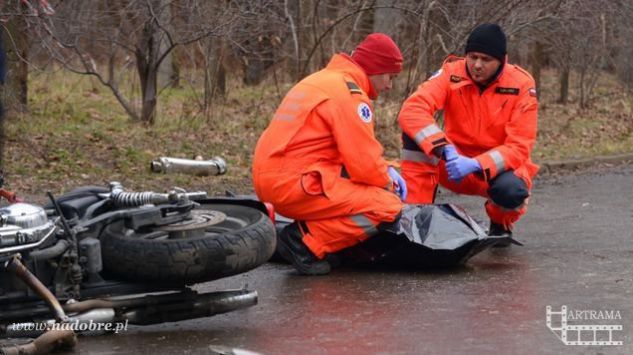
point(215, 166)
point(15, 266)
point(55, 339)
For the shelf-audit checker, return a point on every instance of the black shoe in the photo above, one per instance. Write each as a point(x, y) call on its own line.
point(291, 248)
point(390, 227)
point(499, 231)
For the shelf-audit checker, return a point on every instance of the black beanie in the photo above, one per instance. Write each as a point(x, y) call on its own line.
point(487, 38)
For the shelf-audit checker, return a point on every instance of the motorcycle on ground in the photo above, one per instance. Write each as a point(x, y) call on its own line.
point(106, 257)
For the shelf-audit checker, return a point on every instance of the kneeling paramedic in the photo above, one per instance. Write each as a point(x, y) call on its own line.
point(490, 117)
point(319, 162)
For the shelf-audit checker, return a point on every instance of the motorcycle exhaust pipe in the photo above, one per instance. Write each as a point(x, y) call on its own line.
point(15, 266)
point(215, 166)
point(44, 344)
point(204, 305)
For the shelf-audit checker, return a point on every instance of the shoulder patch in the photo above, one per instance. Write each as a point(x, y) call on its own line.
point(532, 92)
point(353, 88)
point(456, 78)
point(364, 112)
point(507, 91)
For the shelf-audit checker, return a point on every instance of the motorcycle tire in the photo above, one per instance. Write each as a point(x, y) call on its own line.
point(244, 240)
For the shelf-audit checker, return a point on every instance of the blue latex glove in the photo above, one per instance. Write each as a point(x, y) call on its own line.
point(459, 167)
point(398, 182)
point(450, 152)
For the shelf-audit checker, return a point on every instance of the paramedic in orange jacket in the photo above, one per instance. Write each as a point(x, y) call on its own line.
point(319, 162)
point(490, 115)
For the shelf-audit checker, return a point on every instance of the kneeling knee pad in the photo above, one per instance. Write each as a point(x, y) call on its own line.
point(508, 190)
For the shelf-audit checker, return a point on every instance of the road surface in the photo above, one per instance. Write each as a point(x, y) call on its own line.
point(578, 253)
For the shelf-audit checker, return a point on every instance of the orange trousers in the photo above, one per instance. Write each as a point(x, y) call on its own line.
point(422, 180)
point(338, 213)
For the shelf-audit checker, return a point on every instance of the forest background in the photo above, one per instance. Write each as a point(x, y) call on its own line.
point(96, 89)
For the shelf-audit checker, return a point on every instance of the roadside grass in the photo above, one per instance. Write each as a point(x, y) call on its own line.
point(77, 134)
point(566, 131)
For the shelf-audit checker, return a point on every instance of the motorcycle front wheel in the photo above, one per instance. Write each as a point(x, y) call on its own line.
point(218, 240)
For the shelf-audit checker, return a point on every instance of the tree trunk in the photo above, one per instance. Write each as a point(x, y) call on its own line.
point(581, 85)
point(175, 69)
point(2, 77)
point(214, 72)
point(147, 54)
point(218, 72)
point(166, 68)
point(537, 60)
point(564, 86)
point(1, 136)
point(148, 76)
point(13, 70)
point(148, 113)
point(293, 14)
point(258, 61)
point(14, 93)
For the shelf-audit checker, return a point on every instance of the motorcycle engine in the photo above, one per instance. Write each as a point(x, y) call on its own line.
point(22, 226)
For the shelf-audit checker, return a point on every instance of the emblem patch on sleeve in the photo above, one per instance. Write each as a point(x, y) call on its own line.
point(364, 112)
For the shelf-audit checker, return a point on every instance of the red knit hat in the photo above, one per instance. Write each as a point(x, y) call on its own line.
point(378, 54)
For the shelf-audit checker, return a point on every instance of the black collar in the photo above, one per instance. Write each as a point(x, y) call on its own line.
point(492, 80)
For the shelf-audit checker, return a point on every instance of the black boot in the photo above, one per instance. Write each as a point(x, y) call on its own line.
point(290, 246)
point(504, 235)
point(390, 227)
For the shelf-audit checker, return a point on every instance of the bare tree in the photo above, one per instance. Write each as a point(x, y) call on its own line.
point(15, 36)
point(103, 39)
point(14, 44)
point(255, 38)
point(621, 48)
point(215, 53)
point(582, 39)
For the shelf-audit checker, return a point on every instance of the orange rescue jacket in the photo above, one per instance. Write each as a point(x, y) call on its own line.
point(496, 126)
point(326, 123)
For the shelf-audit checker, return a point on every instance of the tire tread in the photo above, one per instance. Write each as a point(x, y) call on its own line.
point(190, 260)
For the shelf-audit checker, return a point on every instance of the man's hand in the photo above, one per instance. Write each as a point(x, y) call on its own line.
point(400, 186)
point(449, 153)
point(459, 166)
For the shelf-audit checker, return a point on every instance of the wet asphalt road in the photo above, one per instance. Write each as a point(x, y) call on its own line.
point(578, 252)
